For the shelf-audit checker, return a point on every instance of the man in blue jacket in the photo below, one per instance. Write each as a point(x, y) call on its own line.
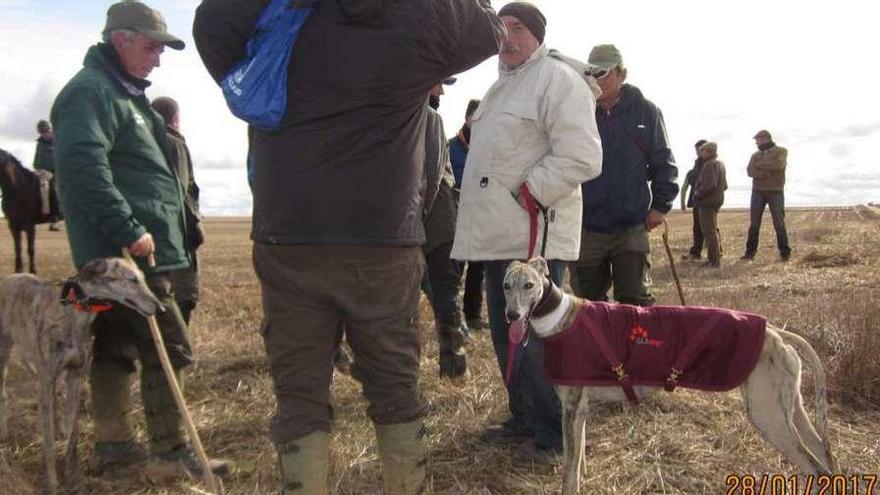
point(473, 279)
point(619, 206)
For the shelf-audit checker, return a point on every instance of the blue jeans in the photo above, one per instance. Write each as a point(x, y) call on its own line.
point(776, 201)
point(531, 397)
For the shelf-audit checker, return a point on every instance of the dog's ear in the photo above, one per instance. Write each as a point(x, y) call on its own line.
point(92, 269)
point(539, 264)
point(71, 292)
point(511, 265)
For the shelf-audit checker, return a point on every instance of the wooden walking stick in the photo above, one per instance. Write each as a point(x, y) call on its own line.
point(672, 262)
point(178, 395)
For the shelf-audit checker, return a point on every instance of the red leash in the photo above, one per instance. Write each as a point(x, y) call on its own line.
point(532, 207)
point(517, 332)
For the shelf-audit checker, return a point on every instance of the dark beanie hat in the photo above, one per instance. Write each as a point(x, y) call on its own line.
point(529, 15)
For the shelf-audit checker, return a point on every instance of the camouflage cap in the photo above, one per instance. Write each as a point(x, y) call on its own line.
point(605, 57)
point(140, 18)
point(764, 133)
point(43, 126)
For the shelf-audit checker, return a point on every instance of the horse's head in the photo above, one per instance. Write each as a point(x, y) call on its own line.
point(8, 166)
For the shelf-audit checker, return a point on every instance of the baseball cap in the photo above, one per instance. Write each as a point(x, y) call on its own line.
point(138, 17)
point(606, 57)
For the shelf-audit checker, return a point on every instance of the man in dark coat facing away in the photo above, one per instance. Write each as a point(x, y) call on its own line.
point(337, 222)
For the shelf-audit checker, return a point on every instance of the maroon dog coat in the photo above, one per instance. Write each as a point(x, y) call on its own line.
point(662, 346)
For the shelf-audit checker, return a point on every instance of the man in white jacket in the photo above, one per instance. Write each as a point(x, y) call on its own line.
point(534, 127)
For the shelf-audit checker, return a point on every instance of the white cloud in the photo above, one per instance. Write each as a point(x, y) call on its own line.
point(718, 70)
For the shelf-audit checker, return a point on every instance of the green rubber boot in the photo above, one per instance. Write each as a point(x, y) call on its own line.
point(304, 464)
point(164, 425)
point(112, 408)
point(403, 455)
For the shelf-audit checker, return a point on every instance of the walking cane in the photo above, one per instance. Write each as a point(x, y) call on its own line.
point(672, 262)
point(178, 395)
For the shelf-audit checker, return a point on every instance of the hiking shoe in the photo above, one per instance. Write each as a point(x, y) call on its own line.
point(507, 432)
point(529, 454)
point(182, 462)
point(747, 257)
point(477, 323)
point(785, 256)
point(54, 227)
point(110, 455)
point(690, 257)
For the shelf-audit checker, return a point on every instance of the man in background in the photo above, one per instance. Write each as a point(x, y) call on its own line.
point(473, 279)
point(709, 197)
point(633, 193)
point(44, 164)
point(767, 170)
point(687, 192)
point(185, 282)
point(443, 275)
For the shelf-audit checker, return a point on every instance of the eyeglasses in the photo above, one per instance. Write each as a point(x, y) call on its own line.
point(602, 74)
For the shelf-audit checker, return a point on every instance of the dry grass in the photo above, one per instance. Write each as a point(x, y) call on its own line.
point(685, 443)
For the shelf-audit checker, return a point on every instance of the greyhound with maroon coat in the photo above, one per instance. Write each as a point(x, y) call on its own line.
point(613, 352)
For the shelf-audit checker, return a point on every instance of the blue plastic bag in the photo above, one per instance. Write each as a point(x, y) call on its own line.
point(256, 88)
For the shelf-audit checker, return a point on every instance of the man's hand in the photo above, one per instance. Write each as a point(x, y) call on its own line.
point(142, 247)
point(655, 218)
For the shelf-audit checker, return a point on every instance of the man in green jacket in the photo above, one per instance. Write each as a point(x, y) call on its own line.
point(118, 191)
point(44, 164)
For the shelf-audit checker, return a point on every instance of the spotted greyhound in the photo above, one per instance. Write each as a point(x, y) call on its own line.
point(54, 339)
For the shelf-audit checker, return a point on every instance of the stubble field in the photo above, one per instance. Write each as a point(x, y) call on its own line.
point(686, 442)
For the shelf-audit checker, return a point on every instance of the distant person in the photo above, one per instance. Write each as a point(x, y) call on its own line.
point(185, 282)
point(687, 192)
point(119, 191)
point(619, 206)
point(443, 274)
point(338, 214)
point(767, 170)
point(44, 164)
point(708, 198)
point(473, 281)
point(531, 131)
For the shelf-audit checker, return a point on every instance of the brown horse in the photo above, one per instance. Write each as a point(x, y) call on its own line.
point(21, 205)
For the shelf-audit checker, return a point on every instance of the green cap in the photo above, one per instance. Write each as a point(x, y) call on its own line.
point(137, 17)
point(605, 57)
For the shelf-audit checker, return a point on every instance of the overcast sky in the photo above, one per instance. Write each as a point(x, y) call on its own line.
point(806, 71)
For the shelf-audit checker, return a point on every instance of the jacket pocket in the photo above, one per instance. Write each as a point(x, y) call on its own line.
point(519, 140)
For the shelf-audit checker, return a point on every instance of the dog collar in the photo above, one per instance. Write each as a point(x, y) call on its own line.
point(84, 304)
point(550, 300)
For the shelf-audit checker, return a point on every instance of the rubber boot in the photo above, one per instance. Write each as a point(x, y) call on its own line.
point(164, 424)
point(114, 435)
point(403, 455)
point(303, 464)
point(170, 455)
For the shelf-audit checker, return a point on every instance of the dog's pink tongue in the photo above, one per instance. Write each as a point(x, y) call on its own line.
point(517, 331)
point(515, 335)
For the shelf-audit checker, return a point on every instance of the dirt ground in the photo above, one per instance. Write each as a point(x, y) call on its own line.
point(686, 442)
